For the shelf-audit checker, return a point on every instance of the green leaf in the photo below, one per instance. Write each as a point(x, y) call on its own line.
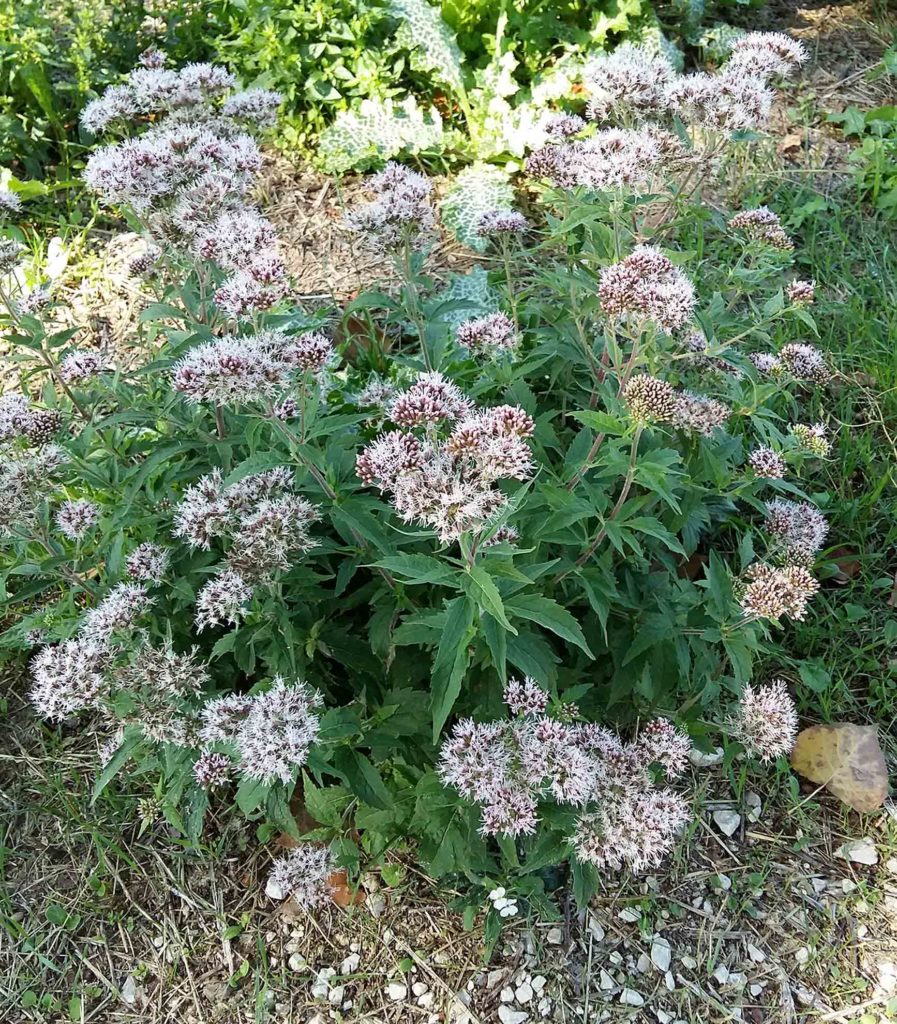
point(118, 759)
point(362, 777)
point(418, 569)
point(451, 661)
point(325, 804)
point(479, 587)
point(546, 612)
point(250, 795)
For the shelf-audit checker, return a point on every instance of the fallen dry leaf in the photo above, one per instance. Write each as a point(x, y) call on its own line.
point(847, 760)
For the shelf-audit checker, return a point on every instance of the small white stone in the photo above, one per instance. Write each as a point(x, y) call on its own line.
point(860, 851)
point(643, 963)
point(397, 991)
point(727, 821)
point(662, 1016)
point(702, 760)
point(753, 805)
point(661, 953)
point(819, 885)
point(721, 974)
point(538, 983)
point(891, 865)
point(802, 955)
point(544, 1007)
point(425, 1002)
point(725, 883)
point(506, 995)
point(689, 962)
point(755, 990)
point(335, 995)
point(321, 985)
point(524, 994)
point(554, 936)
point(350, 964)
point(862, 931)
point(128, 991)
point(274, 891)
point(508, 1015)
point(629, 914)
point(605, 981)
point(847, 885)
point(669, 981)
point(387, 936)
point(805, 996)
point(419, 987)
point(615, 958)
point(297, 962)
point(348, 1004)
point(596, 930)
point(755, 953)
point(629, 997)
point(737, 979)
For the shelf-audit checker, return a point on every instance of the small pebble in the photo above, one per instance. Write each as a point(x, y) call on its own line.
point(350, 964)
point(629, 914)
point(721, 974)
point(554, 936)
point(335, 995)
point(508, 1015)
point(661, 953)
point(524, 994)
point(689, 962)
point(376, 904)
point(702, 760)
point(859, 851)
point(669, 981)
point(507, 995)
point(426, 1001)
point(629, 997)
point(755, 990)
point(802, 955)
point(755, 953)
point(397, 991)
point(419, 988)
point(753, 805)
point(727, 821)
point(538, 983)
point(643, 963)
point(605, 981)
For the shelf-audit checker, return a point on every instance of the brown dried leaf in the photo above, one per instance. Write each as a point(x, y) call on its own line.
point(847, 760)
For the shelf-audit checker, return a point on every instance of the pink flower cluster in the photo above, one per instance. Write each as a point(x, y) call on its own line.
point(509, 766)
point(766, 720)
point(646, 285)
point(610, 160)
point(263, 523)
point(447, 480)
point(635, 84)
point(401, 212)
point(189, 174)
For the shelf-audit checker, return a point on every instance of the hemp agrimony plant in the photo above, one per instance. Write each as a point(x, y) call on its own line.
point(466, 585)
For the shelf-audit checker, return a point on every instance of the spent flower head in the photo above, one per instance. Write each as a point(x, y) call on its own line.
point(646, 285)
point(771, 592)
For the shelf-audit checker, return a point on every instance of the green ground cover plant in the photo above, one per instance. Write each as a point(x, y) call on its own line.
point(470, 586)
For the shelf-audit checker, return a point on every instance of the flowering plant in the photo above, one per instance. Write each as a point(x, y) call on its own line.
point(268, 562)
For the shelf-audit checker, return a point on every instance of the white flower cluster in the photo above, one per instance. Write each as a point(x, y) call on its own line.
point(510, 766)
point(189, 174)
point(448, 482)
point(269, 733)
point(635, 84)
point(265, 526)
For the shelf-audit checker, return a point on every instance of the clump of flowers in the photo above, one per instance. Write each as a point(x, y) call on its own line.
point(801, 293)
point(629, 81)
point(222, 601)
point(650, 400)
point(81, 365)
point(501, 222)
point(805, 362)
point(118, 611)
point(798, 526)
point(76, 517)
point(647, 285)
point(488, 335)
point(212, 770)
point(699, 414)
point(812, 439)
point(767, 462)
point(611, 160)
point(24, 483)
point(401, 212)
point(68, 677)
point(510, 766)
point(765, 720)
point(270, 733)
point(189, 174)
point(148, 562)
point(303, 875)
point(448, 482)
point(770, 592)
point(762, 225)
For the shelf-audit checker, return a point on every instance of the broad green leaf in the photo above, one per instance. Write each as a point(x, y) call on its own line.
point(546, 612)
point(480, 587)
point(452, 659)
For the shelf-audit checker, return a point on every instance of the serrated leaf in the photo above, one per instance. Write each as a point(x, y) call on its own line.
point(480, 587)
point(451, 661)
point(546, 612)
